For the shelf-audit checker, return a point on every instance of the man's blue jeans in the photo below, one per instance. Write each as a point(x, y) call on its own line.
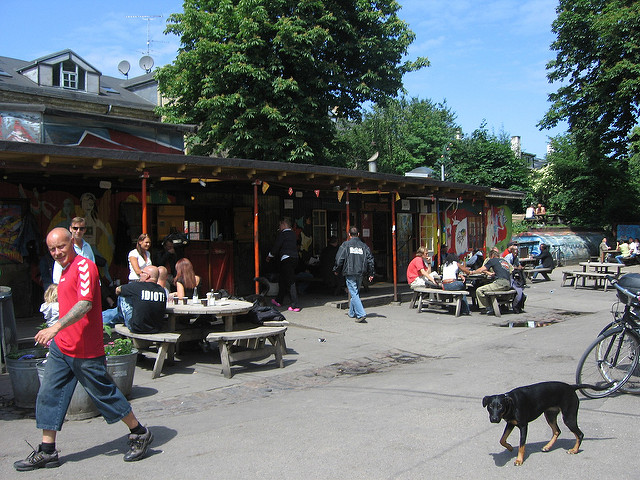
point(356, 310)
point(120, 314)
point(61, 374)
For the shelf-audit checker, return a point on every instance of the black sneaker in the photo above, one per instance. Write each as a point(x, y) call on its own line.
point(37, 459)
point(138, 446)
point(361, 320)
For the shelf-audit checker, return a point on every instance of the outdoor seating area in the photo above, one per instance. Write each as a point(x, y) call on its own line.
point(598, 272)
point(180, 328)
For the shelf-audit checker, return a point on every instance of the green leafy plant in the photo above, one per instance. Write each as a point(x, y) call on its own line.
point(119, 346)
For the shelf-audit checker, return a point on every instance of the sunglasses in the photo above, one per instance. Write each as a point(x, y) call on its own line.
point(78, 228)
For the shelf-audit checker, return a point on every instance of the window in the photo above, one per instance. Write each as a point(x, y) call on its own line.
point(69, 75)
point(319, 219)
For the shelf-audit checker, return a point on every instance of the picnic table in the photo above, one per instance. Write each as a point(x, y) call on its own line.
point(528, 262)
point(596, 271)
point(226, 308)
point(172, 336)
point(602, 267)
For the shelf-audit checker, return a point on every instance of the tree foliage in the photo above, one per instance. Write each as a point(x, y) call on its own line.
point(484, 158)
point(586, 193)
point(598, 68)
point(260, 77)
point(406, 134)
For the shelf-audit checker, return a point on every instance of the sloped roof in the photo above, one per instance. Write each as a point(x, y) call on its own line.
point(113, 91)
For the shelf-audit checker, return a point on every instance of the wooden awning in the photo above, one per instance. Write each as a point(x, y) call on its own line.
point(55, 163)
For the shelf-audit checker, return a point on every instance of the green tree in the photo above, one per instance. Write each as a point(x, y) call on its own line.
point(406, 134)
point(485, 158)
point(583, 191)
point(598, 68)
point(260, 77)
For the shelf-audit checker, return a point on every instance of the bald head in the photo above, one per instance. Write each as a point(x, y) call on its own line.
point(60, 245)
point(152, 273)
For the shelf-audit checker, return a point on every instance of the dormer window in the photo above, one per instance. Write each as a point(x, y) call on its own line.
point(69, 75)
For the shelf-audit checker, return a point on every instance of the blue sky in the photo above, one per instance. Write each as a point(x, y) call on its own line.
point(487, 57)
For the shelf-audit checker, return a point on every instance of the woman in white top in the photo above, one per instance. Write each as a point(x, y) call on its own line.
point(450, 280)
point(139, 257)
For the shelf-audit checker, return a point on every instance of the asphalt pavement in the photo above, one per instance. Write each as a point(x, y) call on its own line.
point(398, 397)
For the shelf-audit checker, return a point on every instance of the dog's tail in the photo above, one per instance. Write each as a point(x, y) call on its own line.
point(598, 388)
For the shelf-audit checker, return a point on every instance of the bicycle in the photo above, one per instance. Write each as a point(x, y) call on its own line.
point(611, 361)
point(557, 255)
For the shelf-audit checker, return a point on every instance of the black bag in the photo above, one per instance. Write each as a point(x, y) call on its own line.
point(259, 314)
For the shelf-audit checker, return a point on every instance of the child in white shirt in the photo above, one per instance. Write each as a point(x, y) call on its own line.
point(50, 306)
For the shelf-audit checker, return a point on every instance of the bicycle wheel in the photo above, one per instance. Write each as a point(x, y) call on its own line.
point(611, 359)
point(632, 385)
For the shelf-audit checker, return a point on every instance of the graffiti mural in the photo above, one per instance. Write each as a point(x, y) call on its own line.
point(498, 227)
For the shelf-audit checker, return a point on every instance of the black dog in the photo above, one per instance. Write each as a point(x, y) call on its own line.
point(524, 404)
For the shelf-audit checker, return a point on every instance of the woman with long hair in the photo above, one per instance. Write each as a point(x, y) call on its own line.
point(139, 257)
point(186, 279)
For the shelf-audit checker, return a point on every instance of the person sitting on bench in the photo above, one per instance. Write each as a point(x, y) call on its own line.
point(419, 270)
point(141, 305)
point(545, 260)
point(501, 269)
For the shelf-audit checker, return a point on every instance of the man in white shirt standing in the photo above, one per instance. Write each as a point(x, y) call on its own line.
point(78, 228)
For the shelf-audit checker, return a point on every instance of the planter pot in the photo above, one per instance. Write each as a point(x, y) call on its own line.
point(121, 368)
point(24, 377)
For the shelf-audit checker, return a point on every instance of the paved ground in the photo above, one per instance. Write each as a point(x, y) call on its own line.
point(397, 397)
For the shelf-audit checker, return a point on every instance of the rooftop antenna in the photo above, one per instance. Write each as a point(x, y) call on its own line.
point(146, 62)
point(148, 18)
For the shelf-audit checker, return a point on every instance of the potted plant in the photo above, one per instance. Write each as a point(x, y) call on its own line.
point(121, 364)
point(24, 377)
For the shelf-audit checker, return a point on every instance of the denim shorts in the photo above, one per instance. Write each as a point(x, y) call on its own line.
point(61, 374)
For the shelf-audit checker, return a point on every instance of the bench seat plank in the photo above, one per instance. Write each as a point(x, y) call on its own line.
point(254, 341)
point(166, 342)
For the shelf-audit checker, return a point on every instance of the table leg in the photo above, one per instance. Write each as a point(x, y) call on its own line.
point(228, 323)
point(171, 319)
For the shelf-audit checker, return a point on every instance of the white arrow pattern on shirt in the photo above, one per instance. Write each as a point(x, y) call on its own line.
point(85, 280)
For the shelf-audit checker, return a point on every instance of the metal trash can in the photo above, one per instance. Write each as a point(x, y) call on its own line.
point(8, 330)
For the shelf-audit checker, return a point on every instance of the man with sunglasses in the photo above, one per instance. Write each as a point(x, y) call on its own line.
point(78, 228)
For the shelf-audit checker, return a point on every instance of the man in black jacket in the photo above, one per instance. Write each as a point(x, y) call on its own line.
point(354, 260)
point(285, 249)
point(545, 260)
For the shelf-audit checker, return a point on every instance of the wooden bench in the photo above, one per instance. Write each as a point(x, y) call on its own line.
point(568, 275)
point(595, 276)
point(253, 345)
point(438, 297)
point(166, 342)
point(499, 298)
point(529, 272)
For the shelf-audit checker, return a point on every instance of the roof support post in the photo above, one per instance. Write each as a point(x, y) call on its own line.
point(394, 245)
point(145, 176)
point(256, 246)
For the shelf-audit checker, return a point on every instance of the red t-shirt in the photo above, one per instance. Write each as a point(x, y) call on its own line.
point(413, 270)
point(80, 281)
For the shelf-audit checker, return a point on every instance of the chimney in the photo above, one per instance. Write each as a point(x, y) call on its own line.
point(373, 165)
point(515, 146)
